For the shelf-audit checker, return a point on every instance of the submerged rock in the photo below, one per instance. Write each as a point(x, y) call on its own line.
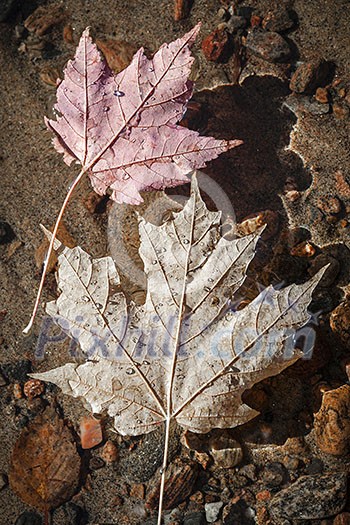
point(310, 498)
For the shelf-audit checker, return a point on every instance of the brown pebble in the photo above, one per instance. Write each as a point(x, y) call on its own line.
point(203, 459)
point(118, 53)
point(17, 391)
point(216, 46)
point(342, 519)
point(50, 76)
point(90, 432)
point(322, 95)
point(197, 497)
point(180, 478)
point(255, 21)
point(253, 222)
point(96, 463)
point(68, 34)
point(340, 321)
point(109, 452)
point(309, 76)
point(181, 9)
point(33, 388)
point(330, 205)
point(278, 20)
point(332, 422)
point(45, 17)
point(304, 249)
point(292, 195)
point(137, 491)
point(340, 111)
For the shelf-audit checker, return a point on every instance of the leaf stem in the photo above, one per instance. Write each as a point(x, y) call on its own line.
point(164, 467)
point(49, 251)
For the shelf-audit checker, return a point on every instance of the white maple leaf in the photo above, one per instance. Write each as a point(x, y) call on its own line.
point(184, 355)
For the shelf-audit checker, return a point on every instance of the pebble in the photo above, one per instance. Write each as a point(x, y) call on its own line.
point(29, 518)
point(180, 478)
point(342, 519)
point(17, 391)
point(216, 46)
point(255, 21)
point(70, 514)
point(182, 9)
point(330, 205)
point(90, 432)
point(33, 388)
point(340, 321)
point(274, 474)
point(44, 18)
point(109, 452)
point(332, 422)
point(226, 452)
point(303, 249)
point(253, 222)
point(195, 518)
point(212, 511)
point(279, 20)
point(322, 95)
point(340, 111)
point(308, 76)
point(268, 45)
point(118, 53)
point(310, 498)
point(50, 76)
point(96, 463)
point(6, 233)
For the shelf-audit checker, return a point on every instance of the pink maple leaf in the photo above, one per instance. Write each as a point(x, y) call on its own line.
point(124, 129)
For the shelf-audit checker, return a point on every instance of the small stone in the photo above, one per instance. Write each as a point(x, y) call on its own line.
point(340, 111)
point(6, 233)
point(109, 452)
point(304, 249)
point(182, 9)
point(279, 20)
point(29, 518)
point(197, 497)
point(330, 205)
point(3, 480)
point(268, 45)
point(291, 463)
point(309, 76)
point(33, 388)
point(44, 18)
point(96, 463)
point(212, 511)
point(118, 53)
point(274, 474)
point(253, 222)
point(226, 452)
point(235, 23)
point(17, 391)
point(203, 459)
point(322, 95)
point(90, 432)
point(137, 491)
point(340, 321)
point(332, 422)
point(223, 14)
point(216, 46)
point(342, 519)
point(292, 195)
point(68, 34)
point(310, 498)
point(50, 76)
point(255, 21)
point(249, 471)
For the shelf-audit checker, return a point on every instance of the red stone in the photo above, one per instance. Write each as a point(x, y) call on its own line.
point(90, 432)
point(216, 45)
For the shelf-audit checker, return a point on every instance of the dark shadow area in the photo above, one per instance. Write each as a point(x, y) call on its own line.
point(254, 174)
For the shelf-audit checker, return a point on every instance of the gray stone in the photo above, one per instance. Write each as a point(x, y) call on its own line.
point(268, 45)
point(29, 518)
point(310, 498)
point(212, 511)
